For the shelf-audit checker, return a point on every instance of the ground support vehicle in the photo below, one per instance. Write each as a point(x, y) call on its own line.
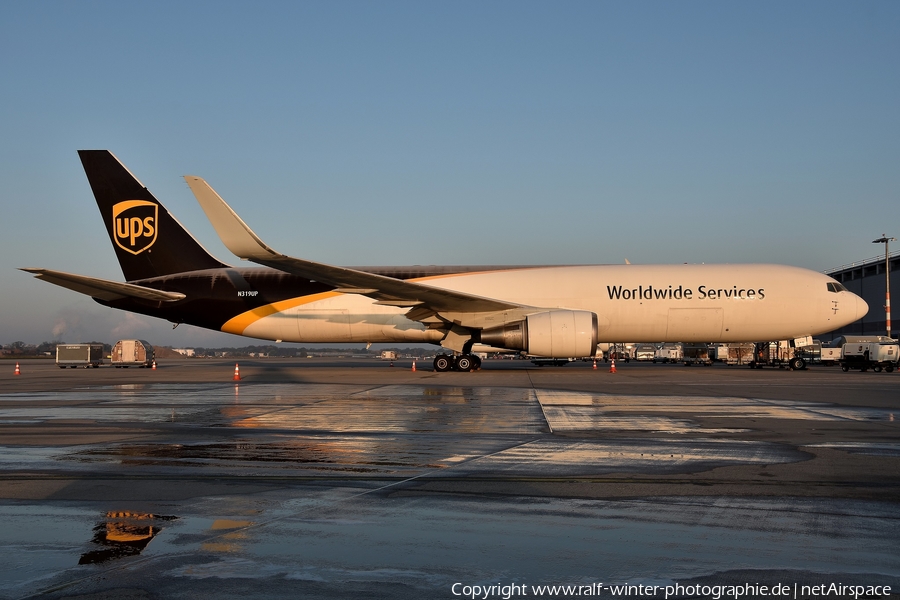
point(696, 354)
point(779, 354)
point(79, 355)
point(718, 352)
point(830, 356)
point(644, 352)
point(876, 355)
point(619, 351)
point(669, 353)
point(132, 353)
point(736, 353)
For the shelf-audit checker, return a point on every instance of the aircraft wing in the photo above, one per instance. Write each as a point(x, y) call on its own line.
point(103, 289)
point(245, 244)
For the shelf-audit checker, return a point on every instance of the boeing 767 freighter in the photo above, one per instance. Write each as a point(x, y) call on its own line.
point(544, 311)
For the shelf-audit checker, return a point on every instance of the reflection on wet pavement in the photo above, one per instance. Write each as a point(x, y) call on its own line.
point(554, 458)
point(232, 540)
point(332, 539)
point(578, 411)
point(431, 543)
point(123, 534)
point(364, 455)
point(871, 449)
point(340, 456)
point(405, 431)
point(581, 418)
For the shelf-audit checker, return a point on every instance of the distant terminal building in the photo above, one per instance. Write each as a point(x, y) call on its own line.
point(866, 279)
point(184, 351)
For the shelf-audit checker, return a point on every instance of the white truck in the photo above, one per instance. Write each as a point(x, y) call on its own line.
point(878, 354)
point(669, 352)
point(830, 355)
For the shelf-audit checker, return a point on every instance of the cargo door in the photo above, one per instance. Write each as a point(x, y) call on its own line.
point(695, 324)
point(127, 350)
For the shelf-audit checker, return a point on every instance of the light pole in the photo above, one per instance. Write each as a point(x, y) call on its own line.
point(887, 278)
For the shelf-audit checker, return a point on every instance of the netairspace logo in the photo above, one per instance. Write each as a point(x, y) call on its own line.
point(716, 592)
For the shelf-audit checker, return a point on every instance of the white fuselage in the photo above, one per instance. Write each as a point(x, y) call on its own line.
point(637, 303)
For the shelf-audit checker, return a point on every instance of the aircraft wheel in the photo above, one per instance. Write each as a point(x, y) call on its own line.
point(464, 363)
point(476, 363)
point(442, 363)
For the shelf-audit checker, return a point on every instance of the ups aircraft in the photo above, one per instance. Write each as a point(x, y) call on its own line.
point(543, 311)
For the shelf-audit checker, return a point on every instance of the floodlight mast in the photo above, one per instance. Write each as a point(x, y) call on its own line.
point(887, 278)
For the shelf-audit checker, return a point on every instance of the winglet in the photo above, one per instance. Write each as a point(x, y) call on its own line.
point(235, 234)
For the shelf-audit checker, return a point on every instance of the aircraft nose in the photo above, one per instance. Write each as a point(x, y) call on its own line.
point(862, 308)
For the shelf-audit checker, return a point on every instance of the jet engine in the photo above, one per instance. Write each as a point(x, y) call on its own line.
point(554, 334)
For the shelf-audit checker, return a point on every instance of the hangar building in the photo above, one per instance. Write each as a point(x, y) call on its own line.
point(866, 279)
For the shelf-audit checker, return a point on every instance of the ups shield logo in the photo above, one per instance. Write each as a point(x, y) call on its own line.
point(134, 225)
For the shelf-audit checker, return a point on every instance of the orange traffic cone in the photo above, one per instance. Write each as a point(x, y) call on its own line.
point(414, 366)
point(237, 373)
point(595, 364)
point(18, 372)
point(612, 366)
point(153, 367)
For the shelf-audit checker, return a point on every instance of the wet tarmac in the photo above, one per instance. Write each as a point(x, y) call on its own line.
point(334, 480)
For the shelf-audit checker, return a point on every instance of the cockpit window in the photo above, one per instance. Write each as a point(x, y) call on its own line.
point(834, 286)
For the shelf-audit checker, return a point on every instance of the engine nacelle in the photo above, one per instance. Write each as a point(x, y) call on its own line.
point(554, 334)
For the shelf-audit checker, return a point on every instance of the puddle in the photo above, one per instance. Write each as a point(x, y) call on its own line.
point(550, 457)
point(400, 408)
point(122, 534)
point(576, 411)
point(341, 539)
point(871, 449)
point(583, 418)
point(427, 544)
point(349, 455)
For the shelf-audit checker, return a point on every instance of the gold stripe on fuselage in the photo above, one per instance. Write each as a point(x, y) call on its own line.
point(238, 324)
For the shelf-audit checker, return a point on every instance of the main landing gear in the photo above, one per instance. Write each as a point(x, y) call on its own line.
point(462, 362)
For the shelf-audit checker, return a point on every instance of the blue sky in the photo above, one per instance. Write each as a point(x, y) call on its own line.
point(390, 133)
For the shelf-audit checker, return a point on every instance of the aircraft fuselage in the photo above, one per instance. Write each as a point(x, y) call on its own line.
point(652, 303)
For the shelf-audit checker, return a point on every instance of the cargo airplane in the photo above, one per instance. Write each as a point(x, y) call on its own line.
point(543, 311)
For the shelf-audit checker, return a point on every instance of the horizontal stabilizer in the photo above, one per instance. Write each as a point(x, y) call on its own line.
point(103, 289)
point(245, 244)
